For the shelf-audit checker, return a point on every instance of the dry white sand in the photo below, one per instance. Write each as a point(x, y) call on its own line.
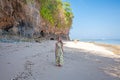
point(91, 47)
point(36, 61)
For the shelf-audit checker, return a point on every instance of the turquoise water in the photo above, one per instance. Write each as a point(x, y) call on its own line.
point(108, 41)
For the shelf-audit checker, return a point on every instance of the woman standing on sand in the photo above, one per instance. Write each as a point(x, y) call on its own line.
point(59, 52)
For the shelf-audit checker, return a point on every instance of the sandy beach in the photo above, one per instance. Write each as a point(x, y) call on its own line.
point(36, 61)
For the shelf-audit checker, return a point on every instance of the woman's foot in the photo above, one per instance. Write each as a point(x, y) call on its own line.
point(60, 65)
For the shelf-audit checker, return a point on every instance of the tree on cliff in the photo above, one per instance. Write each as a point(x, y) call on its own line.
point(56, 13)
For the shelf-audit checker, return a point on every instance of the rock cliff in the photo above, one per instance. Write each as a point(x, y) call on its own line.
point(22, 18)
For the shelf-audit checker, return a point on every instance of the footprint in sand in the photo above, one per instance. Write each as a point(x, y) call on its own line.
point(112, 70)
point(27, 74)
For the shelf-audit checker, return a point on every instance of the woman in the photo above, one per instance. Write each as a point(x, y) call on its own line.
point(59, 52)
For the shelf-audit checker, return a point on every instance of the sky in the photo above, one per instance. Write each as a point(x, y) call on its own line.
point(95, 19)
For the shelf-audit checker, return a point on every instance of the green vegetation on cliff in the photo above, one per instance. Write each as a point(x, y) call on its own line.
point(56, 13)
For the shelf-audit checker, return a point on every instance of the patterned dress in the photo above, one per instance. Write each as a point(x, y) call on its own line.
point(59, 54)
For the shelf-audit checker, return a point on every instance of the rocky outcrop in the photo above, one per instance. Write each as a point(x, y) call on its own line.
point(22, 19)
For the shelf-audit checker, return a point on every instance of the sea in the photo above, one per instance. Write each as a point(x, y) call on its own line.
point(107, 41)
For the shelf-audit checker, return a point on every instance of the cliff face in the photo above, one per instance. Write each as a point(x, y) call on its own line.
point(22, 18)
